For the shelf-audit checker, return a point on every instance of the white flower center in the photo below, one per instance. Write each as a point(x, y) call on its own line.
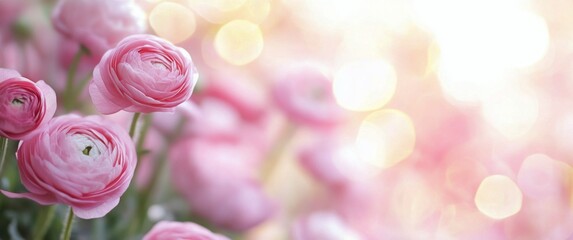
point(86, 146)
point(18, 102)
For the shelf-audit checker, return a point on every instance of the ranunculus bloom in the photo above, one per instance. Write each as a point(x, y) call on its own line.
point(305, 95)
point(25, 105)
point(181, 230)
point(144, 73)
point(217, 177)
point(98, 25)
point(84, 162)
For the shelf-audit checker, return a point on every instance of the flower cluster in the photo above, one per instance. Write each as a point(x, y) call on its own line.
point(260, 119)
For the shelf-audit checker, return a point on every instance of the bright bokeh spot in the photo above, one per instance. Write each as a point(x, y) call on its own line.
point(512, 112)
point(219, 5)
point(385, 138)
point(498, 197)
point(172, 21)
point(480, 55)
point(257, 10)
point(465, 82)
point(239, 42)
point(364, 85)
point(329, 14)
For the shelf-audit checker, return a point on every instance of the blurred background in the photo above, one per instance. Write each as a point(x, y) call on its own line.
point(352, 119)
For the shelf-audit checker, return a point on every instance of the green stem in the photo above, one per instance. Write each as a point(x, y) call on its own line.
point(144, 199)
point(133, 124)
point(69, 91)
point(78, 90)
point(43, 222)
point(67, 231)
point(141, 139)
point(4, 150)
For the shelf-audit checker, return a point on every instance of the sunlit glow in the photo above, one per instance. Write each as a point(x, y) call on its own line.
point(467, 82)
point(385, 138)
point(172, 21)
point(498, 197)
point(329, 14)
point(257, 10)
point(364, 85)
point(219, 5)
point(510, 40)
point(239, 42)
point(512, 112)
point(478, 54)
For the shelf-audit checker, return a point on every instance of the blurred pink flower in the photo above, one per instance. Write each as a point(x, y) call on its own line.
point(319, 161)
point(24, 57)
point(181, 230)
point(248, 99)
point(144, 73)
point(323, 225)
point(98, 25)
point(10, 10)
point(84, 162)
point(305, 95)
point(217, 176)
point(26, 106)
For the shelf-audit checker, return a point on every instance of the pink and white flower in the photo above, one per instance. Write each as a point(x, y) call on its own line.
point(305, 95)
point(143, 73)
point(217, 177)
point(25, 106)
point(98, 25)
point(84, 162)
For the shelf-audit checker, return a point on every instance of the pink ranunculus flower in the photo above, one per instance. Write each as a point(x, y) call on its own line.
point(25, 106)
point(84, 162)
point(181, 230)
point(217, 177)
point(143, 73)
point(304, 93)
point(98, 25)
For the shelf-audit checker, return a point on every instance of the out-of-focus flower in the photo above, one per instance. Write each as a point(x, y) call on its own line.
point(181, 230)
point(143, 73)
point(319, 160)
point(98, 25)
point(10, 10)
point(323, 225)
point(84, 162)
point(216, 175)
point(305, 95)
point(249, 101)
point(26, 106)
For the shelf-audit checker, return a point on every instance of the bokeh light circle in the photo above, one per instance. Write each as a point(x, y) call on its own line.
point(364, 85)
point(498, 197)
point(385, 138)
point(172, 21)
point(239, 42)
